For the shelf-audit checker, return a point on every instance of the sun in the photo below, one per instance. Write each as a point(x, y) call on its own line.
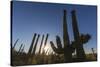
point(46, 48)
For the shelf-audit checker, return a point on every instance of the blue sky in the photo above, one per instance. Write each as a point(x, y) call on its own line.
point(42, 18)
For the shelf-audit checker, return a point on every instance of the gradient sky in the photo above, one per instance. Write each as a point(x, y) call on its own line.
point(42, 18)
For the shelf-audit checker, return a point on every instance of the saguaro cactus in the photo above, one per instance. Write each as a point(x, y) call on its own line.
point(83, 39)
point(29, 54)
point(30, 49)
point(66, 41)
point(93, 52)
point(77, 44)
point(19, 49)
point(59, 49)
point(22, 49)
point(15, 43)
point(46, 40)
point(34, 49)
point(41, 44)
point(79, 47)
point(67, 50)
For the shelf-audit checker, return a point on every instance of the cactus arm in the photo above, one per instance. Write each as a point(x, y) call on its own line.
point(56, 50)
point(53, 47)
point(84, 38)
point(58, 41)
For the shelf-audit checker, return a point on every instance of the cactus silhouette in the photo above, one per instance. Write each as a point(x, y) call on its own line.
point(66, 41)
point(67, 50)
point(59, 53)
point(46, 40)
point(22, 49)
point(41, 44)
point(84, 38)
point(29, 54)
point(31, 46)
point(34, 49)
point(78, 45)
point(93, 52)
point(59, 49)
point(15, 43)
point(19, 49)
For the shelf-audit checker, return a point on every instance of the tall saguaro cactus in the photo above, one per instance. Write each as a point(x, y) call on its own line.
point(66, 41)
point(67, 50)
point(77, 44)
point(79, 47)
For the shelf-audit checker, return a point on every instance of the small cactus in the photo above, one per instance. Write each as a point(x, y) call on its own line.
point(19, 49)
point(15, 44)
point(93, 52)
